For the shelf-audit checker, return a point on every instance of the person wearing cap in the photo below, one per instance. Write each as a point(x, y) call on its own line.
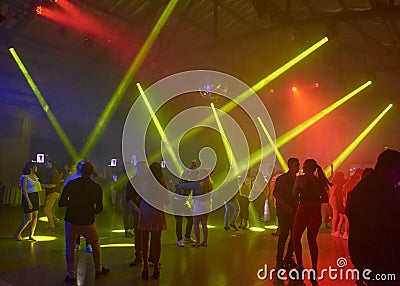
point(83, 199)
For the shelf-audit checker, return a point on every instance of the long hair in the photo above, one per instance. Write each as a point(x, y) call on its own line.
point(310, 165)
point(27, 169)
point(206, 183)
point(156, 170)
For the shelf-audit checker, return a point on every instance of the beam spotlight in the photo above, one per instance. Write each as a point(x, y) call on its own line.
point(346, 152)
point(285, 138)
point(116, 98)
point(160, 130)
point(278, 154)
point(64, 139)
point(228, 150)
point(262, 83)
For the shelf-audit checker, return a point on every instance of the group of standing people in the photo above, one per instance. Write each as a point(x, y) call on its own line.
point(368, 203)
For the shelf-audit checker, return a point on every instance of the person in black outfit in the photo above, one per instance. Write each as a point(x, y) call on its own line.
point(373, 209)
point(84, 199)
point(134, 200)
point(182, 206)
point(286, 205)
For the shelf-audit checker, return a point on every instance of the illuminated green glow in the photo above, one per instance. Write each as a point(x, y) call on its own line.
point(114, 245)
point(228, 150)
point(258, 155)
point(285, 138)
point(259, 85)
point(44, 218)
point(65, 140)
point(160, 130)
point(116, 98)
point(42, 238)
point(346, 152)
point(271, 227)
point(256, 229)
point(262, 83)
point(210, 226)
point(118, 231)
point(277, 152)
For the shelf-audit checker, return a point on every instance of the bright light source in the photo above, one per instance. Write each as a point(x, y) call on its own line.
point(39, 10)
point(294, 88)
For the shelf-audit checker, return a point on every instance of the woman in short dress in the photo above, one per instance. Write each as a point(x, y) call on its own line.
point(30, 187)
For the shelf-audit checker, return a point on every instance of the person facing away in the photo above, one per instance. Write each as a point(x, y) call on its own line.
point(83, 199)
point(73, 176)
point(286, 206)
point(134, 201)
point(153, 220)
point(311, 191)
point(373, 210)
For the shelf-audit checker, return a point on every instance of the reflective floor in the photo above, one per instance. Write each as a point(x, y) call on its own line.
point(231, 258)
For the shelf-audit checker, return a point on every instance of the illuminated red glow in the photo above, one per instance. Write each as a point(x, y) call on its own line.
point(73, 17)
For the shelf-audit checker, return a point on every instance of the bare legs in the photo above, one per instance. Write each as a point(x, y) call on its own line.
point(30, 218)
point(196, 221)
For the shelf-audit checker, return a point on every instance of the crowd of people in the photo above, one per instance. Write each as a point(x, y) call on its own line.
point(363, 205)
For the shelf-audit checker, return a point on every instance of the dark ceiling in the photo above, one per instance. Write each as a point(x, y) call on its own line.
point(77, 73)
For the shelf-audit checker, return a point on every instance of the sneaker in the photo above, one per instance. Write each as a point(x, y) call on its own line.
point(180, 243)
point(194, 244)
point(135, 262)
point(186, 239)
point(337, 234)
point(345, 236)
point(70, 280)
point(88, 249)
point(232, 225)
point(104, 271)
point(226, 227)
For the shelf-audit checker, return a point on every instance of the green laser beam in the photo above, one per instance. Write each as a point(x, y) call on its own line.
point(160, 130)
point(118, 95)
point(57, 127)
point(277, 152)
point(346, 152)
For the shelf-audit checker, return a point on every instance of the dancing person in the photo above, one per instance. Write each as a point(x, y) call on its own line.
point(182, 208)
point(374, 209)
point(310, 190)
point(83, 199)
point(202, 204)
point(52, 188)
point(152, 220)
point(71, 177)
point(286, 205)
point(338, 205)
point(134, 200)
point(243, 198)
point(231, 206)
point(30, 187)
